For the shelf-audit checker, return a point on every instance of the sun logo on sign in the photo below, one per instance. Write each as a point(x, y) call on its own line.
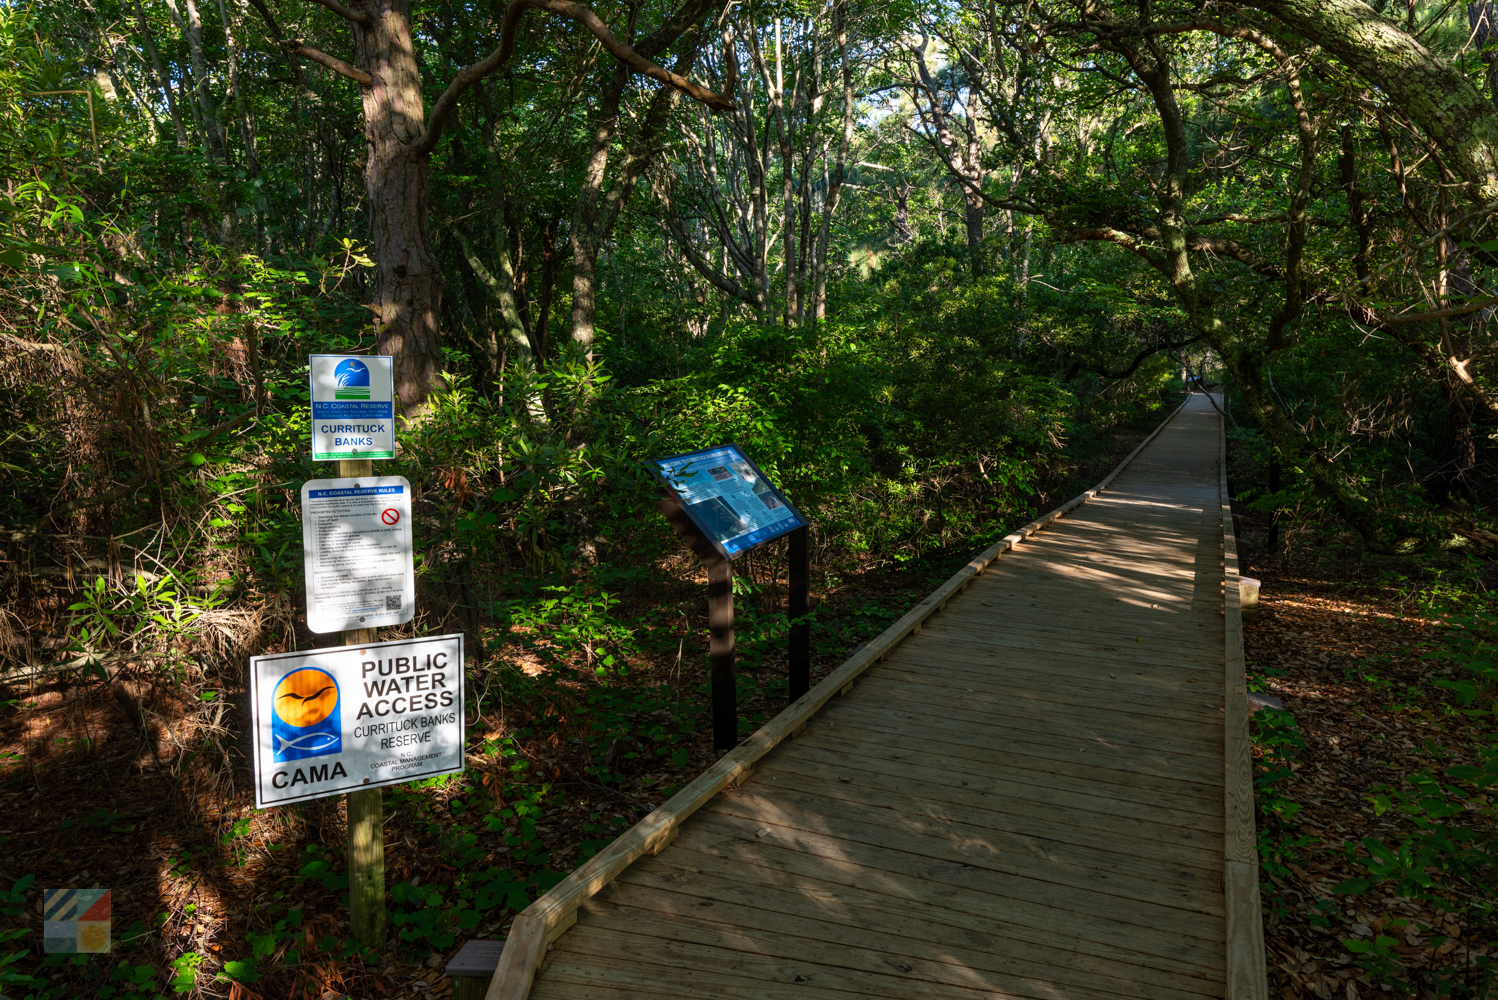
point(305, 721)
point(351, 379)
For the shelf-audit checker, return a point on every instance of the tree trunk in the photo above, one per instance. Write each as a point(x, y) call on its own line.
point(595, 211)
point(192, 32)
point(162, 80)
point(246, 135)
point(840, 170)
point(1435, 94)
point(586, 232)
point(973, 218)
point(408, 296)
point(501, 287)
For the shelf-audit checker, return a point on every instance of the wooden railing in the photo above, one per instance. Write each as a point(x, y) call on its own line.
point(1246, 974)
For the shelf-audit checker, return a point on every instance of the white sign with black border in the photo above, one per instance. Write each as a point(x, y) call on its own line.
point(329, 721)
point(357, 553)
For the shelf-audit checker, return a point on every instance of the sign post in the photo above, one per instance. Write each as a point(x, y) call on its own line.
point(799, 673)
point(723, 505)
point(365, 808)
point(353, 422)
point(351, 720)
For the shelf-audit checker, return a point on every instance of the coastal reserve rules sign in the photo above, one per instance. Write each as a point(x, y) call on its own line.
point(328, 721)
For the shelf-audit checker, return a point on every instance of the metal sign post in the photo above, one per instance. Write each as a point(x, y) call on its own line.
point(723, 505)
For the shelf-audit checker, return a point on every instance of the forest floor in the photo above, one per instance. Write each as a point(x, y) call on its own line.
point(1370, 888)
point(137, 783)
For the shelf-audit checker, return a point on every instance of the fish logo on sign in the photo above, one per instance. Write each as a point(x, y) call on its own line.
point(305, 721)
point(351, 379)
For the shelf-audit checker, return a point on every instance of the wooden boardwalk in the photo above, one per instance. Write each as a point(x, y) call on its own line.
point(1026, 794)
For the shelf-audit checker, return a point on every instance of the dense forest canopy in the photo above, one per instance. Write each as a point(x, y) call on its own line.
point(929, 262)
point(556, 213)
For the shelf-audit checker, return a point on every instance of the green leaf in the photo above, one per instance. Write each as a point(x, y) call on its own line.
point(241, 972)
point(12, 258)
point(197, 458)
point(1353, 886)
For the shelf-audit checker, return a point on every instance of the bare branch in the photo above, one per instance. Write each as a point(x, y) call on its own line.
point(1470, 307)
point(332, 62)
point(1077, 366)
point(469, 75)
point(357, 16)
point(136, 482)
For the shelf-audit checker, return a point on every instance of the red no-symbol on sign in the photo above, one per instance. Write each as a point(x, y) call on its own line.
point(390, 515)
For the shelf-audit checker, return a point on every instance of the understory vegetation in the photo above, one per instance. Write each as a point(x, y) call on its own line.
point(935, 267)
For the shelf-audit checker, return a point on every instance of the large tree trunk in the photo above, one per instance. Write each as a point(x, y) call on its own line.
point(973, 218)
point(409, 281)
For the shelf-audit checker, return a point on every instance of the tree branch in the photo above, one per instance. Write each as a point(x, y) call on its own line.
point(332, 62)
point(1123, 239)
point(279, 38)
point(469, 75)
point(136, 482)
point(1470, 307)
point(357, 16)
point(1078, 365)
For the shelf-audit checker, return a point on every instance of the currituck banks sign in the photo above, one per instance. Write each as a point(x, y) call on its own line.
point(329, 721)
point(353, 406)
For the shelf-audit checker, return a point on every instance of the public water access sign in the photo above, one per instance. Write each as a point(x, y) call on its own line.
point(728, 497)
point(353, 406)
point(356, 552)
point(329, 721)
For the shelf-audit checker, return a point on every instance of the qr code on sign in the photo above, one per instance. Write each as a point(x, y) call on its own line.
point(393, 602)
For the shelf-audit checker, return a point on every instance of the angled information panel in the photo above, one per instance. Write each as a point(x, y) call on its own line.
point(728, 498)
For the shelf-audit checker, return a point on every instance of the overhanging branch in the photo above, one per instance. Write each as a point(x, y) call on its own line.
point(332, 62)
point(1139, 359)
point(357, 16)
point(469, 75)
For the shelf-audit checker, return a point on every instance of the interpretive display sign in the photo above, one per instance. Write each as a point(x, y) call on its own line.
point(728, 498)
point(353, 406)
point(356, 545)
point(328, 721)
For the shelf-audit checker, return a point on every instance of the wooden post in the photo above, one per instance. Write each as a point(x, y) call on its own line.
point(799, 673)
point(1274, 487)
point(720, 654)
point(366, 809)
